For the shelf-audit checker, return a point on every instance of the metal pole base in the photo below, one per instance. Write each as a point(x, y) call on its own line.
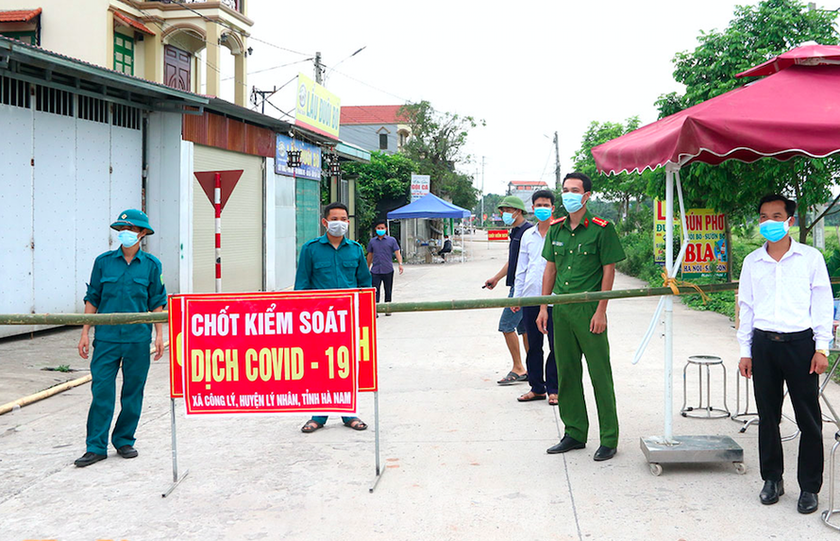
point(691, 450)
point(376, 479)
point(175, 484)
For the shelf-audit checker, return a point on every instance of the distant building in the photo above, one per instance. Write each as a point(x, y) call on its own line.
point(524, 189)
point(160, 41)
point(374, 127)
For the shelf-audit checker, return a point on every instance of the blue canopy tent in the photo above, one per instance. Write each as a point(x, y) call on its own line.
point(431, 206)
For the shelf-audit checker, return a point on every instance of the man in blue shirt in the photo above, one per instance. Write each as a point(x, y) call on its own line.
point(513, 214)
point(332, 261)
point(380, 250)
point(124, 280)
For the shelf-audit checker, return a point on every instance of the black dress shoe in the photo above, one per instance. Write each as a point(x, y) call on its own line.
point(771, 492)
point(604, 453)
point(808, 502)
point(127, 451)
point(568, 443)
point(88, 458)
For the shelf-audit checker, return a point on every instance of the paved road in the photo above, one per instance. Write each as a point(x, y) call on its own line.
point(463, 459)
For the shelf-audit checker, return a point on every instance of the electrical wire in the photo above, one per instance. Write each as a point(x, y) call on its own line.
point(183, 4)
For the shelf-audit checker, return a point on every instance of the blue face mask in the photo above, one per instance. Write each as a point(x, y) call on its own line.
point(542, 213)
point(380, 232)
point(774, 231)
point(127, 238)
point(572, 202)
point(507, 217)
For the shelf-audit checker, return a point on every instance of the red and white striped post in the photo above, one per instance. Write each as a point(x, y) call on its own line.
point(217, 203)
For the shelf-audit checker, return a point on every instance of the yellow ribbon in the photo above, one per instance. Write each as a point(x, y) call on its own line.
point(675, 286)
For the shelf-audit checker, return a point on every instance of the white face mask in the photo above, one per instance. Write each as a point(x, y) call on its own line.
point(337, 228)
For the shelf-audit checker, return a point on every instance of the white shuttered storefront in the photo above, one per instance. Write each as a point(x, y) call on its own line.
point(242, 224)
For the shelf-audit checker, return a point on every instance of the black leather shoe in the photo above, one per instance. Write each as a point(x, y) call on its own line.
point(88, 458)
point(808, 502)
point(771, 492)
point(568, 443)
point(127, 451)
point(604, 453)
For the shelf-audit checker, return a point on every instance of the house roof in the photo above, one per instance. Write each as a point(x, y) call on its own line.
point(527, 183)
point(371, 114)
point(140, 27)
point(19, 16)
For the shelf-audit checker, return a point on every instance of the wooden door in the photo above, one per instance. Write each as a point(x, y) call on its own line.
point(176, 68)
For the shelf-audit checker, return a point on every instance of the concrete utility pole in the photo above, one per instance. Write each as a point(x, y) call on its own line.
point(319, 69)
point(558, 181)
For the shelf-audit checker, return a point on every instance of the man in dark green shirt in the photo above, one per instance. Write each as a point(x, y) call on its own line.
point(124, 280)
point(332, 261)
point(581, 250)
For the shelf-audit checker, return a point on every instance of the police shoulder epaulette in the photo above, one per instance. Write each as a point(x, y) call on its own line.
point(559, 220)
point(600, 221)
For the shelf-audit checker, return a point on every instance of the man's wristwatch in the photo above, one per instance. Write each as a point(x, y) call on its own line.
point(823, 351)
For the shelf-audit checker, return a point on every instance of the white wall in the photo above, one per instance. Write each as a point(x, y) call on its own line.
point(77, 28)
point(285, 262)
point(163, 195)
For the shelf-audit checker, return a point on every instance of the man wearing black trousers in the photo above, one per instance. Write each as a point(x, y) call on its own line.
point(786, 311)
point(380, 251)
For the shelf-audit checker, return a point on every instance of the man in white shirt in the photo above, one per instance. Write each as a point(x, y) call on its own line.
point(786, 311)
point(528, 283)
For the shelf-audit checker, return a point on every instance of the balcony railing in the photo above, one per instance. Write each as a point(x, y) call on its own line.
point(232, 4)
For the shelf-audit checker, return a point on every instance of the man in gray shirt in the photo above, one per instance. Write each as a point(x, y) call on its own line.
point(380, 251)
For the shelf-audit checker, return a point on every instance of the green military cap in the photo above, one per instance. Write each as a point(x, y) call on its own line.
point(511, 201)
point(133, 217)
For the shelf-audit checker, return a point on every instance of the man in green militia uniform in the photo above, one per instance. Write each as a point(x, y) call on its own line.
point(581, 250)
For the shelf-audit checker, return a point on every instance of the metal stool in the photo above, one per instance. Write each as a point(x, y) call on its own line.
point(826, 515)
point(709, 412)
point(746, 416)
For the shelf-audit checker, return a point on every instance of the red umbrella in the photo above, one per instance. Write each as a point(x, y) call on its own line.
point(807, 55)
point(793, 112)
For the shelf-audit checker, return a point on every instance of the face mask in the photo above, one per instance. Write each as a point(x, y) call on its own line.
point(507, 218)
point(337, 228)
point(380, 232)
point(572, 202)
point(542, 213)
point(127, 238)
point(774, 231)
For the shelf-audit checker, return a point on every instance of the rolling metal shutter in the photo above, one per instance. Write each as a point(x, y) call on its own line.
point(242, 224)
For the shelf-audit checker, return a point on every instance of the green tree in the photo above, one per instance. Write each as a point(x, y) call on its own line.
point(386, 178)
point(620, 188)
point(437, 145)
point(754, 35)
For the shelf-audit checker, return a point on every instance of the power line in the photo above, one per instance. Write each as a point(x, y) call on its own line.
point(183, 4)
point(273, 68)
point(371, 86)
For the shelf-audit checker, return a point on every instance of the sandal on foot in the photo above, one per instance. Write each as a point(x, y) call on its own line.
point(356, 424)
point(552, 400)
point(311, 426)
point(512, 378)
point(530, 396)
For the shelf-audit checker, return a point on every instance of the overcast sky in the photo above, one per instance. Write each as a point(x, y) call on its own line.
point(526, 68)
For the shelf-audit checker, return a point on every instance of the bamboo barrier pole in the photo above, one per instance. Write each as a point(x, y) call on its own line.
point(52, 391)
point(383, 308)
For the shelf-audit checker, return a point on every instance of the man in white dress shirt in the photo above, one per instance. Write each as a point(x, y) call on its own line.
point(528, 283)
point(786, 311)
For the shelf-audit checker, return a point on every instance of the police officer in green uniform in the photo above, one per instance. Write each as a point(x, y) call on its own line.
point(332, 261)
point(581, 250)
point(123, 280)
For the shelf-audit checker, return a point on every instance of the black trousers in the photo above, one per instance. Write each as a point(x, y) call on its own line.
point(388, 280)
point(536, 364)
point(786, 358)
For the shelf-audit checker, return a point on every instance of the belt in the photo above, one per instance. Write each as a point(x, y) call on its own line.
point(807, 334)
